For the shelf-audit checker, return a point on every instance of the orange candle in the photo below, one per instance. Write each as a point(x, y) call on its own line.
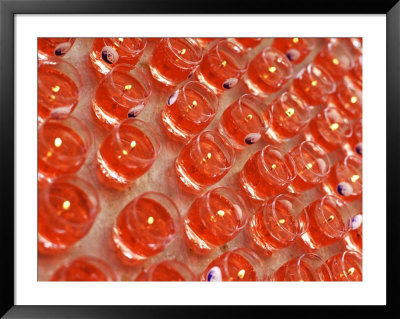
point(267, 173)
point(277, 224)
point(345, 179)
point(63, 146)
point(214, 219)
point(59, 87)
point(307, 267)
point(167, 270)
point(312, 164)
point(175, 59)
point(268, 72)
point(241, 264)
point(127, 152)
point(346, 266)
point(330, 221)
point(348, 97)
point(189, 110)
point(145, 227)
point(290, 115)
point(108, 52)
point(122, 93)
point(204, 161)
point(330, 129)
point(313, 84)
point(296, 49)
point(84, 268)
point(222, 66)
point(245, 121)
point(67, 209)
point(336, 58)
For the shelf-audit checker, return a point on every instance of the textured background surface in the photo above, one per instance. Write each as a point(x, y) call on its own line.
point(97, 241)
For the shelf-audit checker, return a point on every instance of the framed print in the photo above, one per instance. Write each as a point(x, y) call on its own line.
point(151, 142)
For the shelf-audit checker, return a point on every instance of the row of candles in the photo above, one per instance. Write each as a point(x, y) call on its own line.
point(68, 205)
point(237, 265)
point(124, 92)
point(133, 145)
point(151, 224)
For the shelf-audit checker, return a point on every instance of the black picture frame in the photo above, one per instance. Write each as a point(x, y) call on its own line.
point(8, 10)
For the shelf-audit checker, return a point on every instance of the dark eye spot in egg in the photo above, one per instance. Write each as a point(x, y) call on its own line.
point(214, 274)
point(359, 148)
point(252, 138)
point(104, 55)
point(62, 48)
point(172, 98)
point(109, 55)
point(292, 55)
point(58, 52)
point(344, 189)
point(230, 83)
